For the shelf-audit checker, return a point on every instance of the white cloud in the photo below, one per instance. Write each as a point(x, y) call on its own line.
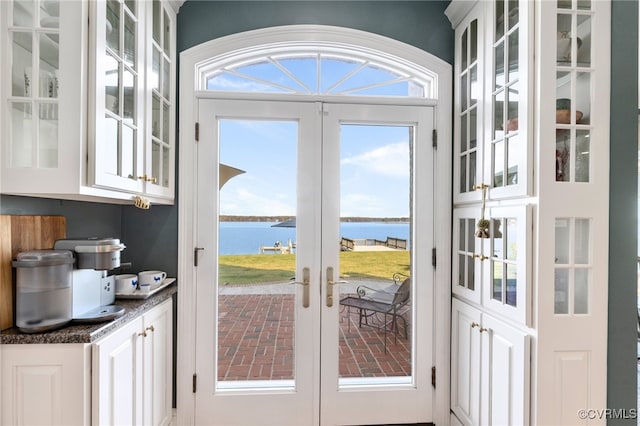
point(245, 202)
point(390, 160)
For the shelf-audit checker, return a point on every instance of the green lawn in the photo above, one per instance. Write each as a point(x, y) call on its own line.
point(259, 268)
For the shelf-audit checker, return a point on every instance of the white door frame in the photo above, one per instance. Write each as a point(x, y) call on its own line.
point(348, 39)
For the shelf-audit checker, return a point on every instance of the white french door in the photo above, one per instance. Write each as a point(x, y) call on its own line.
point(285, 351)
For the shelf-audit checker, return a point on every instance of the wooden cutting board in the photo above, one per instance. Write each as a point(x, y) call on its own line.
point(22, 233)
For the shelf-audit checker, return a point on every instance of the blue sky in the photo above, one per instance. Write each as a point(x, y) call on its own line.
point(374, 169)
point(374, 160)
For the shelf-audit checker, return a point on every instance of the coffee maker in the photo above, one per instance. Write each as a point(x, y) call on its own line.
point(93, 289)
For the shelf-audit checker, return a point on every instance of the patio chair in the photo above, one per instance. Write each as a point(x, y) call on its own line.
point(387, 303)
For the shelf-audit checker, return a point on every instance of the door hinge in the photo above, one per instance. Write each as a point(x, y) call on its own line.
point(434, 138)
point(433, 376)
point(197, 131)
point(433, 257)
point(195, 381)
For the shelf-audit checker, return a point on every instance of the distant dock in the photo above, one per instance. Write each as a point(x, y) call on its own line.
point(279, 248)
point(390, 244)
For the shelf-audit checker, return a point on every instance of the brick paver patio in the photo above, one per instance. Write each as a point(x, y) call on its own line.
point(256, 342)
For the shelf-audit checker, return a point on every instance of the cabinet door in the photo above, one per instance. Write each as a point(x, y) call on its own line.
point(45, 384)
point(158, 366)
point(468, 254)
point(117, 377)
point(506, 282)
point(508, 122)
point(505, 374)
point(465, 362)
point(42, 95)
point(469, 71)
point(116, 135)
point(160, 97)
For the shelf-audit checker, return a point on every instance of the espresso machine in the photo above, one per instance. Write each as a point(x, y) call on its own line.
point(93, 289)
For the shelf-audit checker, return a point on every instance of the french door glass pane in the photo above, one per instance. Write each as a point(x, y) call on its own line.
point(257, 260)
point(375, 206)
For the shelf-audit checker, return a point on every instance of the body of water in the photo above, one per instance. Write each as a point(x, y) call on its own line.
point(248, 237)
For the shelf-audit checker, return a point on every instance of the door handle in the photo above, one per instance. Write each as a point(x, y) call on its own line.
point(330, 284)
point(306, 274)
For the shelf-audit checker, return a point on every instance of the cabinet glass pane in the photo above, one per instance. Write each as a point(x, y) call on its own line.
point(21, 79)
point(499, 19)
point(463, 92)
point(157, 25)
point(129, 41)
point(583, 155)
point(464, 50)
point(583, 45)
point(156, 151)
point(562, 241)
point(462, 262)
point(513, 13)
point(473, 41)
point(166, 79)
point(471, 264)
point(463, 173)
point(165, 167)
point(462, 233)
point(155, 117)
point(561, 291)
point(513, 61)
point(128, 152)
point(472, 170)
point(112, 84)
point(23, 13)
point(167, 34)
point(514, 145)
point(499, 79)
point(497, 268)
point(463, 132)
point(165, 122)
point(584, 4)
point(49, 66)
point(563, 155)
point(48, 135)
point(497, 238)
point(109, 153)
point(131, 6)
point(564, 4)
point(129, 95)
point(21, 134)
point(511, 238)
point(581, 247)
point(155, 69)
point(498, 163)
point(498, 115)
point(113, 25)
point(583, 98)
point(511, 291)
point(474, 86)
point(513, 104)
point(473, 128)
point(581, 291)
point(471, 241)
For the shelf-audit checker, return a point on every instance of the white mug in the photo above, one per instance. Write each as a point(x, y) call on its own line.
point(148, 279)
point(126, 283)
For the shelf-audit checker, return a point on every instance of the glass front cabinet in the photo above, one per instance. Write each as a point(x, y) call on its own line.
point(530, 165)
point(91, 126)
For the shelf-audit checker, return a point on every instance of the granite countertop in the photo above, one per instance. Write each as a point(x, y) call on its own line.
point(89, 333)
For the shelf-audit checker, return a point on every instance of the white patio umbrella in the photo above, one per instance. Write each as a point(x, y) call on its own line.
point(227, 172)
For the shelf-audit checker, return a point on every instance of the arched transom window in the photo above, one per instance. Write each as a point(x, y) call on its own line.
point(315, 70)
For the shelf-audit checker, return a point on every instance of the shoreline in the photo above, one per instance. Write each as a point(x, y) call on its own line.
point(234, 218)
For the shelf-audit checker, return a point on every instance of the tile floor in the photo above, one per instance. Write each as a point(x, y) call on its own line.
point(256, 341)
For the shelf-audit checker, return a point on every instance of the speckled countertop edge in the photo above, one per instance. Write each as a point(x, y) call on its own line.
point(89, 333)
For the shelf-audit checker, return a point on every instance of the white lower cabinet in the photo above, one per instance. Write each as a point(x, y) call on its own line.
point(122, 379)
point(489, 369)
point(132, 385)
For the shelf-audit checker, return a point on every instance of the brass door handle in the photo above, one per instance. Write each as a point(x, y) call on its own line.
point(306, 274)
point(330, 284)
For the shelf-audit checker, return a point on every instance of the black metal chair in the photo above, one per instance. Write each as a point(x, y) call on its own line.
point(387, 302)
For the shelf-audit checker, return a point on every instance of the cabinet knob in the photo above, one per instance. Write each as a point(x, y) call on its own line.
point(147, 178)
point(474, 325)
point(151, 328)
point(143, 334)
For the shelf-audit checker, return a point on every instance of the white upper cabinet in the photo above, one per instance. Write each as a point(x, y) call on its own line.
point(492, 140)
point(88, 112)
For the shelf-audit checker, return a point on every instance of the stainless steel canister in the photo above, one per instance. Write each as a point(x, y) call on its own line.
point(43, 289)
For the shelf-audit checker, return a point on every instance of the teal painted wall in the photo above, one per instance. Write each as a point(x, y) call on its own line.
point(623, 228)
